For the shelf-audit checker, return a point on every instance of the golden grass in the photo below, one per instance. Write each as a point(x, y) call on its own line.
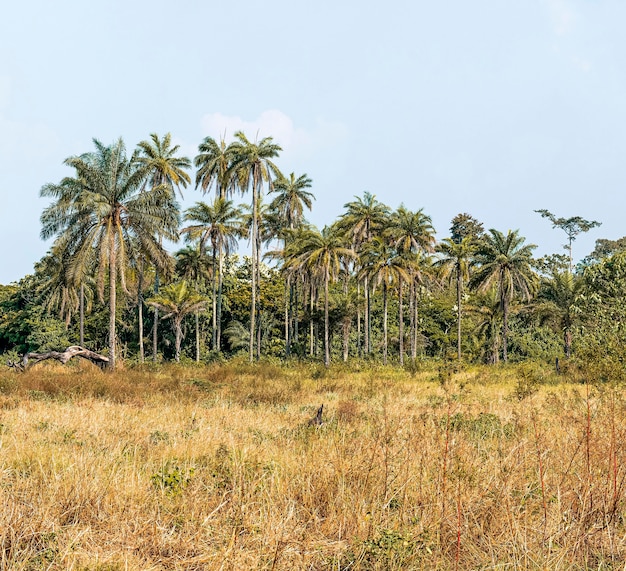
point(216, 468)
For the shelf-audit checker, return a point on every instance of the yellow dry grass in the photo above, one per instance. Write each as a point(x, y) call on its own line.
point(217, 468)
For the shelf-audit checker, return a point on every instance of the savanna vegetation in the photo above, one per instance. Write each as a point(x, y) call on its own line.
point(374, 285)
point(473, 394)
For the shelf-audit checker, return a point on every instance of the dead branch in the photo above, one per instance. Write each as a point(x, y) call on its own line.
point(63, 357)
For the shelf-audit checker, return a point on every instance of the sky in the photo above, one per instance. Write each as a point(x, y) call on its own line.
point(491, 107)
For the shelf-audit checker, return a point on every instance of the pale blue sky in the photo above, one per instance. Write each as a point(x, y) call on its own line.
point(491, 107)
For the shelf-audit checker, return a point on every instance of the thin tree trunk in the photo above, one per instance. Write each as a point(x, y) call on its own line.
point(358, 319)
point(214, 303)
point(368, 330)
point(258, 285)
point(112, 300)
point(220, 282)
point(197, 337)
point(459, 285)
point(412, 324)
point(287, 315)
point(82, 315)
point(253, 269)
point(416, 322)
point(505, 328)
point(311, 336)
point(401, 320)
point(384, 322)
point(178, 331)
point(155, 325)
point(326, 324)
point(140, 312)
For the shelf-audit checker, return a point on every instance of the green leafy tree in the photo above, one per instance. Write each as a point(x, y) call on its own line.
point(506, 263)
point(103, 211)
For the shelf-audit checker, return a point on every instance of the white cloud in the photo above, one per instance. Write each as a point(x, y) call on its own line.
point(295, 141)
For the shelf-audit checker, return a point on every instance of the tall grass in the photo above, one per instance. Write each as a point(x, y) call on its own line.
point(217, 468)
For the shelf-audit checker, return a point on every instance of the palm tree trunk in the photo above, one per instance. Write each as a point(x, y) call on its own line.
point(326, 323)
point(82, 315)
point(459, 285)
point(311, 326)
point(140, 312)
point(505, 328)
point(178, 331)
point(258, 285)
point(358, 319)
point(412, 324)
point(401, 320)
point(368, 330)
point(253, 270)
point(155, 325)
point(197, 338)
point(287, 316)
point(112, 300)
point(220, 282)
point(214, 303)
point(384, 323)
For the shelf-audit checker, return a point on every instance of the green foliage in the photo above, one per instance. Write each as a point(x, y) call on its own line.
point(172, 478)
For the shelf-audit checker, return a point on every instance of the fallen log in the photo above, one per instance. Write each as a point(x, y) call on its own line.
point(63, 357)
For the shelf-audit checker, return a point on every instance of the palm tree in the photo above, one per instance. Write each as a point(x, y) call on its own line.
point(382, 263)
point(322, 253)
point(454, 263)
point(557, 304)
point(214, 163)
point(103, 212)
point(220, 224)
point(177, 301)
point(161, 166)
point(253, 166)
point(412, 234)
point(506, 263)
point(289, 206)
point(193, 266)
point(363, 218)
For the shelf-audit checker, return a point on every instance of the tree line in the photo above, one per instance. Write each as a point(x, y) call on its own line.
point(374, 284)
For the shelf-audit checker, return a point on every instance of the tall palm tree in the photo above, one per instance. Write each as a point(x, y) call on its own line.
point(103, 211)
point(412, 234)
point(364, 217)
point(253, 166)
point(214, 162)
point(454, 263)
point(219, 224)
point(383, 264)
point(161, 166)
point(506, 263)
point(323, 254)
point(177, 301)
point(289, 206)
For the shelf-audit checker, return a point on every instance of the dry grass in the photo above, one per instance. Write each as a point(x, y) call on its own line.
point(216, 468)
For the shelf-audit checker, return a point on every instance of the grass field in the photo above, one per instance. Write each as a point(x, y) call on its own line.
point(217, 468)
